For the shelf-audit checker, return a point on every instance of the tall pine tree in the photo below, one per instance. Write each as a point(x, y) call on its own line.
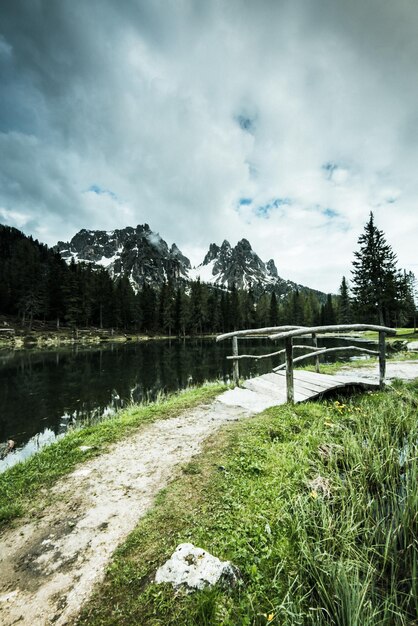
point(376, 279)
point(344, 306)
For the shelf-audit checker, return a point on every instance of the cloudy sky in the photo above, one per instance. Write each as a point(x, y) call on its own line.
point(285, 122)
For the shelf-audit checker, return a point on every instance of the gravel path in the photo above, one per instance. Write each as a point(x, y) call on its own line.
point(406, 370)
point(48, 567)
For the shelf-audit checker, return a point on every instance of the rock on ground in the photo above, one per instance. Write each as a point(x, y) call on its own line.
point(194, 568)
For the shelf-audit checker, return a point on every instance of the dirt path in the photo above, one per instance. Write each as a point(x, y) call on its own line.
point(48, 567)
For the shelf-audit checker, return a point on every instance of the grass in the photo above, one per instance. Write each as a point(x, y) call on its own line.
point(24, 487)
point(401, 333)
point(340, 550)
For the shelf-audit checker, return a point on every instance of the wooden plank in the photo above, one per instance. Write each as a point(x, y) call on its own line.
point(334, 381)
point(306, 375)
point(382, 360)
point(313, 387)
point(307, 385)
point(315, 345)
point(322, 351)
point(257, 357)
point(319, 386)
point(336, 328)
point(274, 379)
point(255, 331)
point(255, 384)
point(236, 365)
point(289, 370)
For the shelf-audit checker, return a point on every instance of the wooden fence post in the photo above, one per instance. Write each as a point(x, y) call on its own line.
point(289, 370)
point(235, 361)
point(382, 359)
point(315, 343)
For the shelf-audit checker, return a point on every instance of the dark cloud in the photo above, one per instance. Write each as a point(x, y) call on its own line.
point(167, 112)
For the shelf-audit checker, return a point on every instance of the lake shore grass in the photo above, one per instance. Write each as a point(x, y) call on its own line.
point(317, 504)
point(336, 366)
point(24, 487)
point(14, 336)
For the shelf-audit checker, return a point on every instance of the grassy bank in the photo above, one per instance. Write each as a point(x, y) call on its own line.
point(317, 505)
point(14, 336)
point(24, 487)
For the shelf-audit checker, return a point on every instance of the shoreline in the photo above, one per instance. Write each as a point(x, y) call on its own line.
point(43, 339)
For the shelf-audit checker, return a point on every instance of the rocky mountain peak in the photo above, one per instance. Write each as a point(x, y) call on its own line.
point(271, 268)
point(177, 254)
point(244, 245)
point(145, 258)
point(240, 265)
point(139, 253)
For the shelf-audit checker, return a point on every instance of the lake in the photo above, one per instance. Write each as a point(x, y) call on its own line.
point(44, 392)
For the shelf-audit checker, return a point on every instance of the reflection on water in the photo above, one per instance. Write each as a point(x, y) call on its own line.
point(40, 440)
point(43, 393)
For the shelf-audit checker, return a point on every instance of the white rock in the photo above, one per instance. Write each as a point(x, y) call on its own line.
point(413, 346)
point(195, 569)
point(85, 448)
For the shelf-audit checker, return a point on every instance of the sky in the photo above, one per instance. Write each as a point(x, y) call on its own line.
point(285, 122)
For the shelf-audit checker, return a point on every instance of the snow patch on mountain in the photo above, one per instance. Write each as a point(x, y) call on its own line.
point(203, 272)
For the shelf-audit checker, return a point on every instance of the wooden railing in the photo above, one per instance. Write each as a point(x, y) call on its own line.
point(288, 333)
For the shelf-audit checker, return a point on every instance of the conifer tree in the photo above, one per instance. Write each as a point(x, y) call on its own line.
point(148, 302)
point(226, 311)
point(407, 315)
point(295, 309)
point(263, 311)
point(274, 310)
point(376, 280)
point(247, 308)
point(344, 306)
point(196, 307)
point(236, 319)
point(328, 315)
point(180, 313)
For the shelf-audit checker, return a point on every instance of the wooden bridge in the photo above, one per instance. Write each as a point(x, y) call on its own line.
point(284, 383)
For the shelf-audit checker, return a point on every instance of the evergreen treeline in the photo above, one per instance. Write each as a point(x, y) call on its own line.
point(35, 283)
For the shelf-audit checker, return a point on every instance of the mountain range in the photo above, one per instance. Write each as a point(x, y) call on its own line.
point(145, 258)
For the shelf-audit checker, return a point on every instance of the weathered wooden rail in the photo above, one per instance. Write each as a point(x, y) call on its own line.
point(289, 333)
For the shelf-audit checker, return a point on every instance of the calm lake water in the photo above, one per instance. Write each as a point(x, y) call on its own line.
point(43, 393)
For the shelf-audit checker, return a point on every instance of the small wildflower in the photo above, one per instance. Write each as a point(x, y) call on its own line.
point(270, 617)
point(314, 494)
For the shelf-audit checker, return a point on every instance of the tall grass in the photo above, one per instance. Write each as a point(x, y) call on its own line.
point(357, 550)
